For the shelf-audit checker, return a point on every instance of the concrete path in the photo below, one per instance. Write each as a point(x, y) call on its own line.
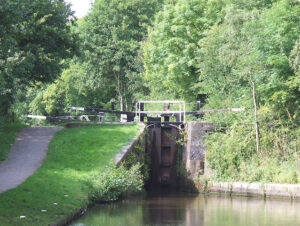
point(26, 156)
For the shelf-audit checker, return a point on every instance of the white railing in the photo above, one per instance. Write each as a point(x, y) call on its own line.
point(180, 112)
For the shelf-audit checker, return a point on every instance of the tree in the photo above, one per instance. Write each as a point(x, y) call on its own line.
point(71, 89)
point(9, 16)
point(170, 53)
point(111, 36)
point(274, 38)
point(252, 57)
point(225, 64)
point(35, 38)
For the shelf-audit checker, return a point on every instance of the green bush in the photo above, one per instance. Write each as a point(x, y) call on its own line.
point(226, 151)
point(233, 157)
point(114, 182)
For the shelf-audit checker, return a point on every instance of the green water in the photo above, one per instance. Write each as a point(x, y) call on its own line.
point(194, 210)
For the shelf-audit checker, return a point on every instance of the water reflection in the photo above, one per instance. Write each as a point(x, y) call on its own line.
point(174, 209)
point(191, 210)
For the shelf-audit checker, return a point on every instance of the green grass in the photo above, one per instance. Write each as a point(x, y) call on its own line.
point(73, 154)
point(8, 134)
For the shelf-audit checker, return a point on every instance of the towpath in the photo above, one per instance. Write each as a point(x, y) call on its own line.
point(26, 156)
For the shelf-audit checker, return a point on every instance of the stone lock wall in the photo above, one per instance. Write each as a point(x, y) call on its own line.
point(193, 155)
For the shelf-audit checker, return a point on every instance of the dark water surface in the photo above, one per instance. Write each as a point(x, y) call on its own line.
point(193, 210)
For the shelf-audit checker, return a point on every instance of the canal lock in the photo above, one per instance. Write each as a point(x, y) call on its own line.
point(177, 154)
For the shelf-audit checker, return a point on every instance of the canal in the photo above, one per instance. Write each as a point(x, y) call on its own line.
point(193, 210)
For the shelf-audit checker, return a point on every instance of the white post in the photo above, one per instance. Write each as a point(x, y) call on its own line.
point(139, 111)
point(136, 117)
point(184, 112)
point(180, 111)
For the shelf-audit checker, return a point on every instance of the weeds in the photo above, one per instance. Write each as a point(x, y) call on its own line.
point(233, 157)
point(114, 183)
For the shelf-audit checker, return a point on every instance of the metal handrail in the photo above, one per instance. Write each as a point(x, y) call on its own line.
point(181, 111)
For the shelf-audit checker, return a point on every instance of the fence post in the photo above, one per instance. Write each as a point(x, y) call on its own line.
point(113, 105)
point(198, 105)
point(167, 108)
point(142, 109)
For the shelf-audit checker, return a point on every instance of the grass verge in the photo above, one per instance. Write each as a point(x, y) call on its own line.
point(8, 134)
point(73, 155)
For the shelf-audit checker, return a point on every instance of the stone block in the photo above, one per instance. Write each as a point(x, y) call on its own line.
point(219, 187)
point(255, 189)
point(239, 188)
point(279, 190)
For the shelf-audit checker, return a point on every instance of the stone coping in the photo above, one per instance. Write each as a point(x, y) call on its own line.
point(255, 189)
point(126, 149)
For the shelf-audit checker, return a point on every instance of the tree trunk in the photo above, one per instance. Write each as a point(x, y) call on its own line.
point(119, 91)
point(255, 114)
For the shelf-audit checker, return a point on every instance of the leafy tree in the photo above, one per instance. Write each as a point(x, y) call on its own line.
point(253, 49)
point(71, 89)
point(274, 37)
point(35, 37)
point(9, 16)
point(111, 36)
point(244, 43)
point(170, 53)
point(225, 64)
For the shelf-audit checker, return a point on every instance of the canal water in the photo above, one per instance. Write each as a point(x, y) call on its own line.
point(193, 210)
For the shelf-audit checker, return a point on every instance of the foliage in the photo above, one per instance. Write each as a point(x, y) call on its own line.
point(139, 156)
point(170, 55)
point(73, 155)
point(109, 62)
point(227, 150)
point(219, 51)
point(278, 34)
point(8, 134)
point(180, 164)
point(270, 170)
point(110, 36)
point(232, 155)
point(259, 44)
point(34, 39)
point(71, 89)
point(115, 182)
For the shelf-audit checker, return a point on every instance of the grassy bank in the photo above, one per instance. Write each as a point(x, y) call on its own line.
point(8, 134)
point(73, 155)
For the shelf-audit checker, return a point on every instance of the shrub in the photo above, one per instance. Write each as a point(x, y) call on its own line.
point(226, 151)
point(232, 155)
point(114, 182)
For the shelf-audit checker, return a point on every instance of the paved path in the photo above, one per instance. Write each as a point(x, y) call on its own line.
point(26, 156)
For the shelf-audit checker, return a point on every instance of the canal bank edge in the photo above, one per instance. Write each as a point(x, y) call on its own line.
point(67, 219)
point(119, 157)
point(196, 166)
point(291, 191)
